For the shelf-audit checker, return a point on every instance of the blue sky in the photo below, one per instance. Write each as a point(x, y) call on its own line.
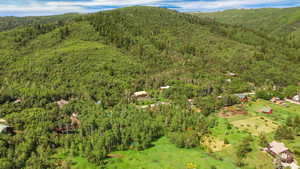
point(51, 7)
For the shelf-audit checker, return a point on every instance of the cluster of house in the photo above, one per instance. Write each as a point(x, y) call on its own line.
point(279, 151)
point(75, 122)
point(143, 95)
point(154, 105)
point(244, 97)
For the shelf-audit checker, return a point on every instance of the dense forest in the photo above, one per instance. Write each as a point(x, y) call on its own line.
point(281, 23)
point(97, 61)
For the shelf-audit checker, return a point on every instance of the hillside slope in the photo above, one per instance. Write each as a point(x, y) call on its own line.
point(165, 45)
point(7, 23)
point(283, 22)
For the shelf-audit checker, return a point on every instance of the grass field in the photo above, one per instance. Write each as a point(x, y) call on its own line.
point(256, 125)
point(76, 162)
point(214, 144)
point(164, 155)
point(280, 112)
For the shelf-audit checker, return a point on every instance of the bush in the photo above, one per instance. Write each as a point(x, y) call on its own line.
point(188, 139)
point(264, 94)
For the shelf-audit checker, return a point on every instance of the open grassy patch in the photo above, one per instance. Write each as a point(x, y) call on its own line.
point(232, 111)
point(165, 155)
point(256, 125)
point(224, 130)
point(75, 162)
point(280, 112)
point(214, 144)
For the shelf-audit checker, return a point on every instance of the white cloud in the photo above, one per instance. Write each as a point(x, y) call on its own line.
point(104, 3)
point(55, 7)
point(39, 7)
point(221, 4)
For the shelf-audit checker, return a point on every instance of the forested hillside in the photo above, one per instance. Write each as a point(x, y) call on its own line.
point(97, 61)
point(283, 23)
point(9, 22)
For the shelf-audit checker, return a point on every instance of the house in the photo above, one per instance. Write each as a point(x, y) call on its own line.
point(231, 74)
point(69, 128)
point(3, 121)
point(279, 150)
point(243, 97)
point(153, 105)
point(266, 110)
point(164, 87)
point(75, 121)
point(277, 100)
point(296, 98)
point(6, 129)
point(18, 101)
point(141, 95)
point(191, 101)
point(62, 103)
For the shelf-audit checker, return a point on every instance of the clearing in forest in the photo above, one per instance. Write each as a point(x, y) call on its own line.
point(256, 125)
point(165, 155)
point(228, 112)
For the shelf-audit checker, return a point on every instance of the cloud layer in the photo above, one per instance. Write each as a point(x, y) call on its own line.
point(50, 7)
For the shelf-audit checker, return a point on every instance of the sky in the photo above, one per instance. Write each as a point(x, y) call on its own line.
point(53, 7)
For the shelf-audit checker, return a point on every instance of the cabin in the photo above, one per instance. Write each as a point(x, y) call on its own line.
point(296, 98)
point(3, 121)
point(191, 101)
point(153, 105)
point(277, 100)
point(62, 103)
point(6, 129)
point(18, 101)
point(74, 120)
point(141, 95)
point(164, 87)
point(278, 150)
point(231, 74)
point(70, 128)
point(266, 110)
point(243, 97)
point(228, 80)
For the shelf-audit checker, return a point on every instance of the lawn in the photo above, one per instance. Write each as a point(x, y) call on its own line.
point(255, 159)
point(165, 155)
point(280, 112)
point(214, 144)
point(256, 125)
point(76, 162)
point(224, 130)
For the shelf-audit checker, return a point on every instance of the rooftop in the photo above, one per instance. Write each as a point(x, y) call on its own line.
point(3, 127)
point(277, 147)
